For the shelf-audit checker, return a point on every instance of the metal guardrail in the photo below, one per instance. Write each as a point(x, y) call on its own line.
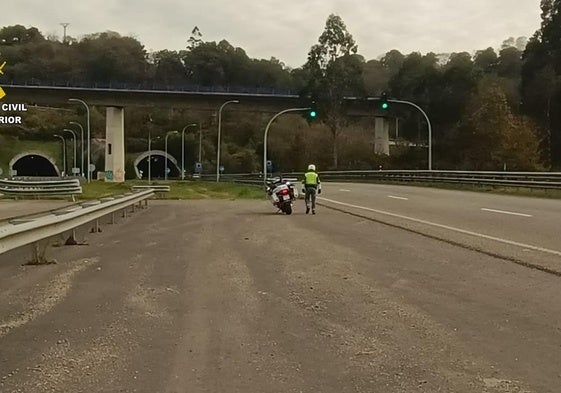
point(241, 178)
point(159, 190)
point(55, 187)
point(47, 178)
point(20, 231)
point(538, 180)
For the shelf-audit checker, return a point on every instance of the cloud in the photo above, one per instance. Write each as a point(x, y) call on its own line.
point(287, 29)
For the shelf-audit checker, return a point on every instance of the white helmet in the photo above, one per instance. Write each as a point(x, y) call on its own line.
point(311, 167)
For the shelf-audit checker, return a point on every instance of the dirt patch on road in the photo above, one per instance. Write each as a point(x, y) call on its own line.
point(31, 303)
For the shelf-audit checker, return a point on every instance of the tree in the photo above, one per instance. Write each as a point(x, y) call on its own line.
point(486, 60)
point(509, 42)
point(334, 70)
point(415, 77)
point(419, 80)
point(375, 76)
point(518, 43)
point(217, 64)
point(457, 83)
point(269, 73)
point(18, 34)
point(195, 40)
point(169, 67)
point(105, 57)
point(491, 136)
point(392, 62)
point(510, 63)
point(541, 77)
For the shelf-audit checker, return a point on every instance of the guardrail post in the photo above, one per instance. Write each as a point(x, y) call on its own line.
point(38, 252)
point(125, 213)
point(96, 228)
point(112, 218)
point(71, 241)
point(133, 206)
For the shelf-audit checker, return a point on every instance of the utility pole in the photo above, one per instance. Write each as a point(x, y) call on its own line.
point(64, 25)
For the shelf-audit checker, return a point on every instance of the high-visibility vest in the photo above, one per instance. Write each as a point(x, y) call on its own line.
point(311, 179)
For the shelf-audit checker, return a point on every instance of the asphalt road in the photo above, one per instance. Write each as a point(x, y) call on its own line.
point(521, 228)
point(11, 208)
point(211, 296)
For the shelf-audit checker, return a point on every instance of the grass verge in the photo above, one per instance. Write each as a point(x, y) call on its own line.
point(186, 190)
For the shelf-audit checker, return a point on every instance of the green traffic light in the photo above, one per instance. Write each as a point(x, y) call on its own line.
point(313, 114)
point(385, 105)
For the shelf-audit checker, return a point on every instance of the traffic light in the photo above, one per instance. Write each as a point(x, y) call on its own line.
point(312, 114)
point(384, 104)
point(313, 111)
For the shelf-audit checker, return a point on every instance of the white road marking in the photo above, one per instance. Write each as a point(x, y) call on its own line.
point(505, 212)
point(396, 197)
point(343, 190)
point(450, 228)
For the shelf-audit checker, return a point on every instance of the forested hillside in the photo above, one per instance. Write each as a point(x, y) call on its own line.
point(489, 108)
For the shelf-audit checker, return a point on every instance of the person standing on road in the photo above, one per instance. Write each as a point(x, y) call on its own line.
point(312, 186)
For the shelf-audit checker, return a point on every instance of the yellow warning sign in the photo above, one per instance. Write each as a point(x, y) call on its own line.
point(2, 92)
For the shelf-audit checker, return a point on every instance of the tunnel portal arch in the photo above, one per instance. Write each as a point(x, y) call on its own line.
point(34, 164)
point(158, 158)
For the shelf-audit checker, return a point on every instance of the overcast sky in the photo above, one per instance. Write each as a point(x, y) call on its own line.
point(286, 29)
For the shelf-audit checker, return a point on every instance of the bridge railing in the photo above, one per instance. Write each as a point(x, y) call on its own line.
point(153, 87)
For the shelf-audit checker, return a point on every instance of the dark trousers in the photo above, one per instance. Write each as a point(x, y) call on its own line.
point(311, 196)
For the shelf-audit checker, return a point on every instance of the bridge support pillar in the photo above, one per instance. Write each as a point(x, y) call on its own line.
point(115, 145)
point(381, 136)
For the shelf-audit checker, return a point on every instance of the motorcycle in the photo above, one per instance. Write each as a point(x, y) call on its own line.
point(282, 193)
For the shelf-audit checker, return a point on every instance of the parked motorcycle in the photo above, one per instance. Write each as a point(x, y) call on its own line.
point(282, 193)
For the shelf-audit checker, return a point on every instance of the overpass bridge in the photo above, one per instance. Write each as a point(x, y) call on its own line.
point(116, 97)
point(267, 100)
point(122, 95)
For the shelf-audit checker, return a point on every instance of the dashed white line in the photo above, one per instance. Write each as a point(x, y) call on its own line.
point(343, 190)
point(506, 212)
point(450, 228)
point(396, 197)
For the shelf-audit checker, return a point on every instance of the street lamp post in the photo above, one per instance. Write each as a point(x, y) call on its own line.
point(63, 153)
point(426, 118)
point(218, 144)
point(89, 134)
point(183, 149)
point(166, 149)
point(150, 156)
point(81, 144)
point(267, 133)
point(200, 143)
point(74, 139)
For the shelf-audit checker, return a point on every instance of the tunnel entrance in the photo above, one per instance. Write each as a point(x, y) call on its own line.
point(158, 166)
point(34, 165)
